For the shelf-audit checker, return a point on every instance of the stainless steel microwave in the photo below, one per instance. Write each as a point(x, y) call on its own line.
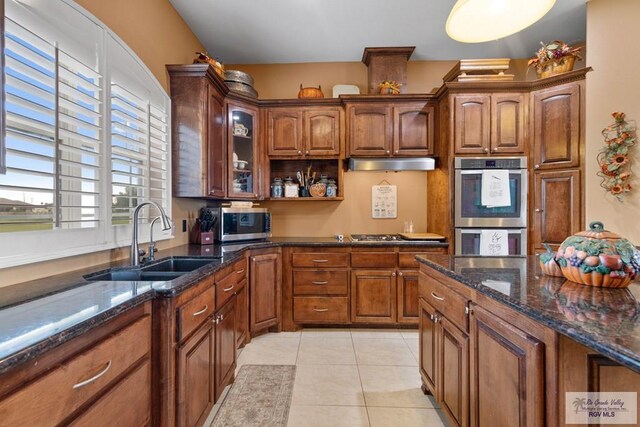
point(232, 224)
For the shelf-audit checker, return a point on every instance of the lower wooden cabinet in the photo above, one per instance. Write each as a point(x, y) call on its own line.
point(265, 279)
point(89, 380)
point(507, 373)
point(444, 363)
point(408, 305)
point(225, 346)
point(242, 314)
point(196, 376)
point(373, 296)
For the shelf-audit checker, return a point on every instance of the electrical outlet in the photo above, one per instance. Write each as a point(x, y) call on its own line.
point(184, 225)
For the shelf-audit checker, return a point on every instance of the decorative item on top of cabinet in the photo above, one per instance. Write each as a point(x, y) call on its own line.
point(553, 58)
point(295, 131)
point(199, 148)
point(490, 123)
point(310, 92)
point(402, 127)
point(243, 182)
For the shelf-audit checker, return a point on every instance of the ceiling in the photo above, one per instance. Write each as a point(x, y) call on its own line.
point(285, 31)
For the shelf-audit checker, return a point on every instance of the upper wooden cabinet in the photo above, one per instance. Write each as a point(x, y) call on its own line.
point(391, 129)
point(294, 132)
point(556, 127)
point(490, 123)
point(199, 147)
point(243, 156)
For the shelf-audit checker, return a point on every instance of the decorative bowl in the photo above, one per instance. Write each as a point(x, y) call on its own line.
point(310, 92)
point(318, 189)
point(598, 257)
point(548, 263)
point(242, 164)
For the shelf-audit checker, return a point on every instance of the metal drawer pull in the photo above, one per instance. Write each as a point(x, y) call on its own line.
point(198, 313)
point(320, 309)
point(433, 294)
point(320, 283)
point(320, 260)
point(228, 289)
point(240, 271)
point(92, 379)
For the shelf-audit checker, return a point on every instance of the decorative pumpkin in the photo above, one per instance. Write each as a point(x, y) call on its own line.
point(205, 58)
point(548, 263)
point(598, 257)
point(310, 92)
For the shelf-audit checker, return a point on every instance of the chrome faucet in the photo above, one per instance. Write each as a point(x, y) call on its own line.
point(166, 225)
point(152, 243)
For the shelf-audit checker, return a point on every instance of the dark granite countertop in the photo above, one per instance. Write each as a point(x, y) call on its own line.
point(39, 315)
point(605, 320)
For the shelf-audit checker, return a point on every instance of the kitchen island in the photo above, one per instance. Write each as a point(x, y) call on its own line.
point(497, 330)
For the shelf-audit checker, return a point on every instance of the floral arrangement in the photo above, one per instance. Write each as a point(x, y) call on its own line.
point(553, 52)
point(615, 168)
point(389, 87)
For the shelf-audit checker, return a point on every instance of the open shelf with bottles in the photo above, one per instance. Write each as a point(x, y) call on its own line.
point(333, 168)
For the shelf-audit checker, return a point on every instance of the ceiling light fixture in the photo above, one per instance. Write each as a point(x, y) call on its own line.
point(476, 21)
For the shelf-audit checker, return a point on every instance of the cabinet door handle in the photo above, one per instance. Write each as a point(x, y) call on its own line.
point(307, 151)
point(253, 259)
point(393, 274)
point(198, 313)
point(388, 152)
point(400, 273)
point(320, 260)
point(320, 309)
point(323, 282)
point(536, 167)
point(432, 317)
point(93, 378)
point(240, 271)
point(539, 210)
point(437, 319)
point(433, 294)
point(486, 150)
point(228, 289)
point(299, 152)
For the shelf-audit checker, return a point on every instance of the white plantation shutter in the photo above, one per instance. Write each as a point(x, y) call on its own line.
point(87, 135)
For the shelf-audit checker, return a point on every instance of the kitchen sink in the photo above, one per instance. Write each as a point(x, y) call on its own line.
point(161, 270)
point(177, 264)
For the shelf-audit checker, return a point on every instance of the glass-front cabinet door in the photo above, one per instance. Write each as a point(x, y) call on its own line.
point(243, 155)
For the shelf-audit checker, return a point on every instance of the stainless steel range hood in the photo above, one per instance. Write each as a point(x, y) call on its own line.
point(392, 164)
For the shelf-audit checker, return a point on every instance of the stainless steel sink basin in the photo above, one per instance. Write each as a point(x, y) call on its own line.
point(139, 275)
point(178, 264)
point(161, 270)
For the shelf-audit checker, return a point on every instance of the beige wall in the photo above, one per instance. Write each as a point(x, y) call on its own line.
point(613, 85)
point(159, 36)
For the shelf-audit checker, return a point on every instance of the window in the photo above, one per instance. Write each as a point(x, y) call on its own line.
point(87, 134)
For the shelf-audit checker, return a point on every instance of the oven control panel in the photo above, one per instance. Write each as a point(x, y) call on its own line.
point(490, 163)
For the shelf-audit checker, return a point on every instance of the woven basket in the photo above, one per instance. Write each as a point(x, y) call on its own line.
point(557, 66)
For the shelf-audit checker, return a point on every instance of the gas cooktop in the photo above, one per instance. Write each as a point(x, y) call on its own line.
point(375, 237)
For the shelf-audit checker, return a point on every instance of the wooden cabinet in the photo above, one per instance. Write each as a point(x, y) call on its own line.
point(390, 128)
point(557, 126)
point(265, 279)
point(490, 123)
point(196, 376)
point(373, 296)
point(243, 156)
point(199, 147)
point(225, 346)
point(242, 314)
point(295, 132)
point(408, 306)
point(506, 366)
point(553, 220)
point(94, 375)
point(444, 348)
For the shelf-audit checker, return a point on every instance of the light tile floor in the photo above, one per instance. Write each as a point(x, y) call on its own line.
point(350, 377)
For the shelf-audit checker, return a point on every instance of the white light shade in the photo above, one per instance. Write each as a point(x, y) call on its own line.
point(476, 21)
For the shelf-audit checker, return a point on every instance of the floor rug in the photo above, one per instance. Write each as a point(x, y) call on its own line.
point(260, 396)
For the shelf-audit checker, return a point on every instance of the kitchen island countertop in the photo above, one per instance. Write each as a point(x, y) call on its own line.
point(605, 320)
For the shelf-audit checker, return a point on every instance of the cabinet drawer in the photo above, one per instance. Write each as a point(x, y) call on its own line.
point(374, 259)
point(52, 397)
point(450, 303)
point(225, 289)
point(323, 282)
point(321, 309)
point(128, 404)
point(240, 269)
point(194, 312)
point(408, 259)
point(320, 260)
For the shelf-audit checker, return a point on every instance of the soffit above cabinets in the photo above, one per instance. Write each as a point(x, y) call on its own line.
point(285, 31)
